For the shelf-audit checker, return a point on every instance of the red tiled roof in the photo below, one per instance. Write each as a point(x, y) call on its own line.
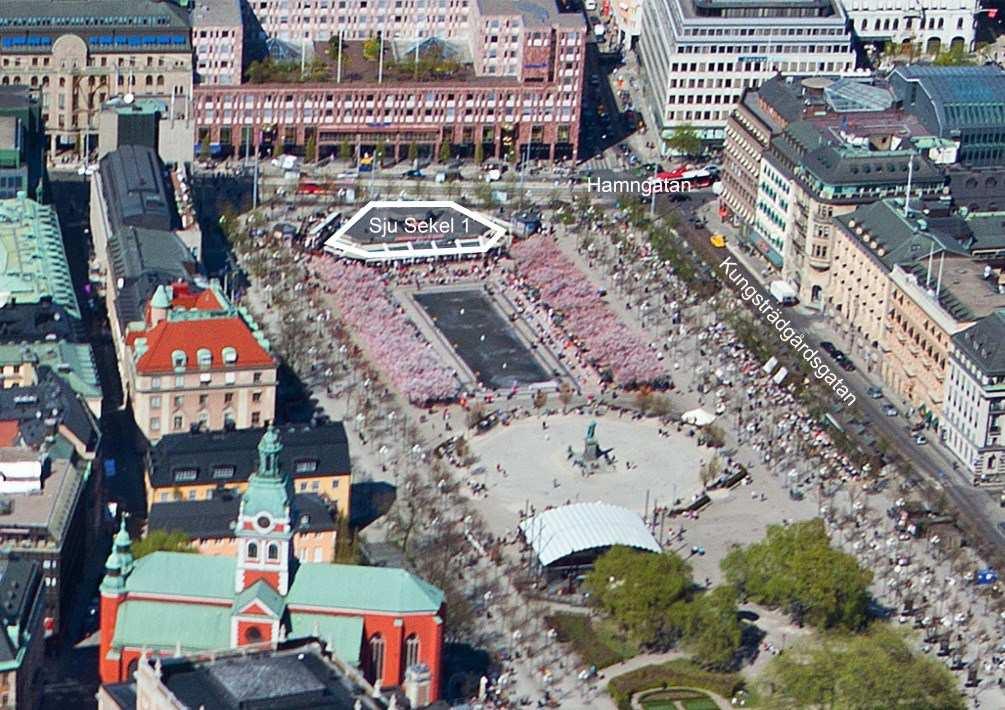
point(190, 336)
point(10, 432)
point(203, 301)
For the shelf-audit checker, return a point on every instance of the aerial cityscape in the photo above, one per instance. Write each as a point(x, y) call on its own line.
point(486, 354)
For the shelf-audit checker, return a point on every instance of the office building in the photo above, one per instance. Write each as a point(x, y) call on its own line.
point(700, 55)
point(963, 104)
point(928, 26)
point(218, 41)
point(975, 398)
point(78, 53)
point(22, 144)
point(509, 86)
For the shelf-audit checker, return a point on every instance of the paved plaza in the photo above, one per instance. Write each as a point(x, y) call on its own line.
point(537, 471)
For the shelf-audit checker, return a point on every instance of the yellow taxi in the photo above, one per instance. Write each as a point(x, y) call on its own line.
point(718, 241)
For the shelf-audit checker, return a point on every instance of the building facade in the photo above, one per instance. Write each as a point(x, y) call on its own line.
point(975, 398)
point(701, 54)
point(218, 41)
point(193, 466)
point(78, 53)
point(198, 362)
point(929, 25)
point(965, 104)
point(385, 621)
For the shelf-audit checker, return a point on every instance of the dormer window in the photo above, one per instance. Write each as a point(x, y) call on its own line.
point(178, 358)
point(306, 466)
point(229, 355)
point(205, 357)
point(185, 474)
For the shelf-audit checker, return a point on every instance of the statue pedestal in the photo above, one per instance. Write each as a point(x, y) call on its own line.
point(591, 451)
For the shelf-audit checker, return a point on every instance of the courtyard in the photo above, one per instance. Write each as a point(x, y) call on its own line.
point(525, 465)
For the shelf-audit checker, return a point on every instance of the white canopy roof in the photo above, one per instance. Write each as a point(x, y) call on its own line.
point(698, 417)
point(559, 532)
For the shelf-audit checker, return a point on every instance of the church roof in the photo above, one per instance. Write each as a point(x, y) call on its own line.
point(161, 625)
point(343, 634)
point(260, 592)
point(315, 584)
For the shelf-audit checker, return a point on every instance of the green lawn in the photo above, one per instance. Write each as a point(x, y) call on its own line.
point(597, 644)
point(699, 704)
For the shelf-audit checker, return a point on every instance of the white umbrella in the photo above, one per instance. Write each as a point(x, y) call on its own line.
point(698, 417)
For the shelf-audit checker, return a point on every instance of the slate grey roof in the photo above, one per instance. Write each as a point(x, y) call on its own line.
point(42, 407)
point(988, 230)
point(898, 240)
point(136, 190)
point(325, 443)
point(27, 322)
point(836, 167)
point(213, 518)
point(20, 587)
point(145, 259)
point(984, 344)
point(298, 674)
point(783, 97)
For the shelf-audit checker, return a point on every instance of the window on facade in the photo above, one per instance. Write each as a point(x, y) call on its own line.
point(252, 550)
point(273, 551)
point(228, 398)
point(178, 423)
point(377, 657)
point(155, 423)
point(256, 378)
point(256, 418)
point(178, 358)
point(411, 651)
point(256, 396)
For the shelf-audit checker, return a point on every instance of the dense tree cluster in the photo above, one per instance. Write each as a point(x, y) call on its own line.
point(872, 670)
point(796, 568)
point(655, 602)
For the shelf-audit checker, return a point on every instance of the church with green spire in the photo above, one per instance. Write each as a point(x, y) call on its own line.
point(384, 621)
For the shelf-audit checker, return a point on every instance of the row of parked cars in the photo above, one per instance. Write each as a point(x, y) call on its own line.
point(843, 361)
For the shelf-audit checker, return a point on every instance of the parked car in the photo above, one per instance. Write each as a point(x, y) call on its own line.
point(829, 348)
point(889, 410)
point(920, 440)
point(415, 174)
point(874, 393)
point(846, 364)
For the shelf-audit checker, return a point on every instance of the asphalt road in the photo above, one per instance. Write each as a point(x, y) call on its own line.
point(930, 462)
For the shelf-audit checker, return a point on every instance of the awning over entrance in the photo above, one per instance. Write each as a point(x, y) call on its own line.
point(764, 246)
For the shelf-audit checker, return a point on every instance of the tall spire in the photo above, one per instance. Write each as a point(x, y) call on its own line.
point(120, 561)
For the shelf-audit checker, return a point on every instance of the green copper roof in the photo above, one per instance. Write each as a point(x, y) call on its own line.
point(268, 490)
point(71, 361)
point(32, 260)
point(160, 298)
point(343, 587)
point(262, 593)
point(352, 587)
point(150, 624)
point(342, 634)
point(184, 573)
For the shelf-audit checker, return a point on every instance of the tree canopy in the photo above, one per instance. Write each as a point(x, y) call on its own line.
point(873, 670)
point(712, 629)
point(796, 568)
point(685, 139)
point(161, 540)
point(642, 591)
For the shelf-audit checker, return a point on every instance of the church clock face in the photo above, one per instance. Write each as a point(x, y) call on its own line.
point(264, 521)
